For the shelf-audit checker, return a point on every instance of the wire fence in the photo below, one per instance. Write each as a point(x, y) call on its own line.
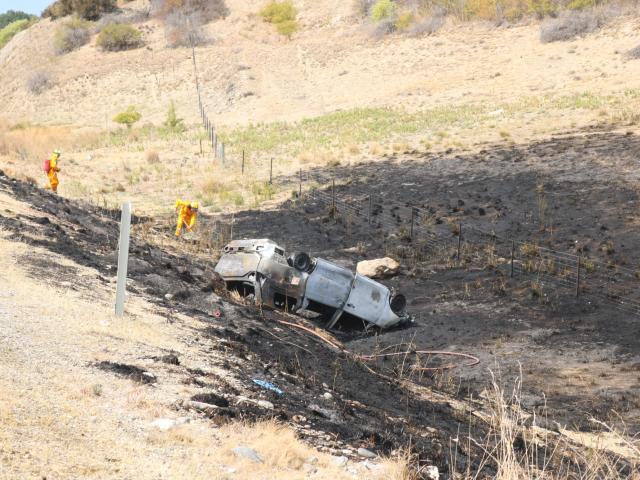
point(462, 244)
point(419, 228)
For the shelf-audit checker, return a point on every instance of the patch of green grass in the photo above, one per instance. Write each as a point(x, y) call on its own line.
point(361, 125)
point(11, 30)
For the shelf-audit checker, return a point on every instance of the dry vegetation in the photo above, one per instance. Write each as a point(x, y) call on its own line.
point(107, 424)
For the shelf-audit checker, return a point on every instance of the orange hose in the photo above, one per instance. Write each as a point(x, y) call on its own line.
point(473, 360)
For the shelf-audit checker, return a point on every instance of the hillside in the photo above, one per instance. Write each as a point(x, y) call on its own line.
point(251, 74)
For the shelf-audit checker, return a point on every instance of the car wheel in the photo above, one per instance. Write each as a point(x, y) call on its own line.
point(398, 304)
point(300, 261)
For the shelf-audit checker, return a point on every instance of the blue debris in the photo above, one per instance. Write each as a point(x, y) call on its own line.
point(268, 386)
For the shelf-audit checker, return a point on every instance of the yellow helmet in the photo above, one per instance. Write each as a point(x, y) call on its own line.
point(194, 205)
point(56, 152)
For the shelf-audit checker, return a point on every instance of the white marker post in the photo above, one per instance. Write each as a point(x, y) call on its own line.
point(123, 257)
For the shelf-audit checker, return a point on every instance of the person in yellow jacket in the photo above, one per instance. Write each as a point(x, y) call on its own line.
point(187, 215)
point(53, 171)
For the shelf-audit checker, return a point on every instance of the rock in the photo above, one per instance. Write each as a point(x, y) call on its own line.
point(431, 472)
point(299, 418)
point(340, 461)
point(363, 452)
point(378, 268)
point(309, 468)
point(327, 396)
point(248, 453)
point(168, 297)
point(168, 423)
point(163, 423)
point(265, 404)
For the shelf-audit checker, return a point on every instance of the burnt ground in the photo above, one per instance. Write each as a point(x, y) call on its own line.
point(366, 407)
point(578, 357)
point(576, 194)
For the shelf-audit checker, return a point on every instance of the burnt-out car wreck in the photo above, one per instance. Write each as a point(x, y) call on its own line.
point(298, 282)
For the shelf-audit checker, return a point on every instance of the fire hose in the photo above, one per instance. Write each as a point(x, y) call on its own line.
point(473, 360)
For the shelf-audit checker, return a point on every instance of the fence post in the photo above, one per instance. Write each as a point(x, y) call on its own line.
point(513, 248)
point(459, 239)
point(123, 258)
point(271, 172)
point(242, 161)
point(333, 198)
point(413, 212)
point(578, 277)
point(200, 147)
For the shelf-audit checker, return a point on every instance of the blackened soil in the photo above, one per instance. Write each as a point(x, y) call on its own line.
point(575, 194)
point(367, 408)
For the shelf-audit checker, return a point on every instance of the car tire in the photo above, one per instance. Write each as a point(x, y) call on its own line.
point(398, 304)
point(300, 261)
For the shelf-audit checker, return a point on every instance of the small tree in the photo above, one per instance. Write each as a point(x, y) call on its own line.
point(173, 122)
point(128, 117)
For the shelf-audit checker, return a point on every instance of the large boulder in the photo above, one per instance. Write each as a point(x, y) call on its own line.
point(378, 268)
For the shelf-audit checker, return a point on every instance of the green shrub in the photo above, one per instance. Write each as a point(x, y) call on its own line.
point(172, 122)
point(11, 30)
point(87, 9)
point(404, 20)
point(12, 16)
point(282, 15)
point(116, 37)
point(383, 10)
point(287, 28)
point(581, 4)
point(128, 117)
point(71, 35)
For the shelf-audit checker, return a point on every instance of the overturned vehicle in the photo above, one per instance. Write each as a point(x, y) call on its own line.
point(298, 282)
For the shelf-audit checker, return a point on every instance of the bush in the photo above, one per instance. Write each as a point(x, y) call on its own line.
point(118, 37)
point(39, 82)
point(362, 7)
point(184, 29)
point(383, 10)
point(205, 10)
point(12, 16)
point(183, 19)
point(404, 20)
point(152, 156)
point(427, 26)
point(11, 30)
point(128, 117)
point(122, 17)
point(173, 122)
point(572, 24)
point(87, 9)
point(71, 35)
point(282, 15)
point(581, 4)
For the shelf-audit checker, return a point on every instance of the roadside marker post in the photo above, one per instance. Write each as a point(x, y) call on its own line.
point(123, 257)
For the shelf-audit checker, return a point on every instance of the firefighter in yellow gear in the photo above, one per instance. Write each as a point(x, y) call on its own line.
point(187, 215)
point(53, 171)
